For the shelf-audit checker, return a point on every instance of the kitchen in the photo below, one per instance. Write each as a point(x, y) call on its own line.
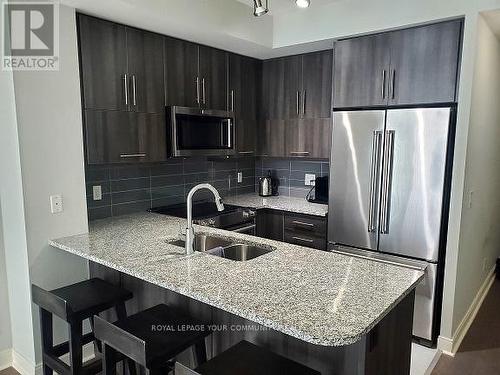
point(162, 115)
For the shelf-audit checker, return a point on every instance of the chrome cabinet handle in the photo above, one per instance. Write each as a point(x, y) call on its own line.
point(138, 155)
point(245, 229)
point(383, 83)
point(387, 181)
point(298, 103)
point(134, 90)
point(297, 153)
point(125, 87)
point(246, 152)
point(232, 100)
point(203, 91)
point(377, 138)
point(393, 84)
point(304, 103)
point(302, 223)
point(303, 239)
point(197, 81)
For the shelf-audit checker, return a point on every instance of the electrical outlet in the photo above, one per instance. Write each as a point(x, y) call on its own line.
point(310, 179)
point(56, 204)
point(97, 192)
point(471, 196)
point(240, 177)
point(485, 264)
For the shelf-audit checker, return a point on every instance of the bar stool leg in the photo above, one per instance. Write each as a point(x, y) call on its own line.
point(75, 347)
point(109, 360)
point(200, 352)
point(121, 314)
point(47, 338)
point(97, 343)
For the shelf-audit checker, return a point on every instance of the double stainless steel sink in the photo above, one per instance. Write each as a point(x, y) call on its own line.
point(221, 247)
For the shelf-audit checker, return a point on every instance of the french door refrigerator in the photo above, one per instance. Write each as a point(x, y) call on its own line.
point(387, 192)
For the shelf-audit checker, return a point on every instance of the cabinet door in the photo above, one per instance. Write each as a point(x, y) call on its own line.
point(213, 76)
point(145, 57)
point(124, 137)
point(361, 71)
point(181, 71)
point(103, 55)
point(317, 84)
point(293, 87)
point(270, 224)
point(273, 89)
point(243, 86)
point(308, 138)
point(271, 138)
point(424, 64)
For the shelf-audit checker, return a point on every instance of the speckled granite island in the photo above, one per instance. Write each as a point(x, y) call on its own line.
point(332, 312)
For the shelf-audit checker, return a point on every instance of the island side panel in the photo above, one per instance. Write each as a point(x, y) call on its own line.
point(385, 350)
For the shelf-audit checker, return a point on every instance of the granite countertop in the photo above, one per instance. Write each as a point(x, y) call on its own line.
point(323, 298)
point(290, 204)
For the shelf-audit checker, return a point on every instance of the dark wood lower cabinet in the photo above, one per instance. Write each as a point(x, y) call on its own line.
point(124, 137)
point(384, 350)
point(270, 224)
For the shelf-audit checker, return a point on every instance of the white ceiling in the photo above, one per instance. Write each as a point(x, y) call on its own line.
point(285, 6)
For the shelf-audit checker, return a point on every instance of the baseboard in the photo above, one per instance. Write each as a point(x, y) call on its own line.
point(450, 346)
point(88, 353)
point(22, 365)
point(433, 363)
point(5, 359)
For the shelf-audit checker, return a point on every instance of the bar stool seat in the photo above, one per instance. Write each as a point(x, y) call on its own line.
point(152, 338)
point(247, 359)
point(75, 303)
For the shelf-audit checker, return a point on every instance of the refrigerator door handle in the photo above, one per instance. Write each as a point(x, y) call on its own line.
point(376, 142)
point(387, 181)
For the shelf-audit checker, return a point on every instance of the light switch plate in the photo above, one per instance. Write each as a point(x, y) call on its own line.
point(240, 177)
point(310, 179)
point(97, 192)
point(56, 204)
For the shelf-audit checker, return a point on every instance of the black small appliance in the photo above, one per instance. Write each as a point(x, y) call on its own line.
point(320, 191)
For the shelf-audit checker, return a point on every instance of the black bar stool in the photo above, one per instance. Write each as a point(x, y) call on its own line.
point(75, 303)
point(247, 359)
point(152, 338)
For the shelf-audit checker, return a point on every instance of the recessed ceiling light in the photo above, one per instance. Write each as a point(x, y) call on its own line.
point(303, 3)
point(259, 9)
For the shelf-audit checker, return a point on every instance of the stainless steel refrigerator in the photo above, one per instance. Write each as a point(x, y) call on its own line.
point(388, 184)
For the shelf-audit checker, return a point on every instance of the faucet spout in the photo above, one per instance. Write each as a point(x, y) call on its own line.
point(189, 229)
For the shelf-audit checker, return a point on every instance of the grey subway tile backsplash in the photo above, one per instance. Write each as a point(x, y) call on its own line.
point(291, 173)
point(134, 188)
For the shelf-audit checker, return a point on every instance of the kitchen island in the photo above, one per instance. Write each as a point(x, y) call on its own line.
point(332, 312)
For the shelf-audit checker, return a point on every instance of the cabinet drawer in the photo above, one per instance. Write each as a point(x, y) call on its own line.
point(312, 225)
point(302, 239)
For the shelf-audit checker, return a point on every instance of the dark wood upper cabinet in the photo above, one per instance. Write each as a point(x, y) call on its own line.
point(424, 64)
point(361, 72)
point(293, 86)
point(244, 87)
point(408, 67)
point(103, 53)
point(213, 76)
point(181, 73)
point(273, 89)
point(309, 138)
point(120, 136)
point(145, 60)
point(317, 71)
point(271, 139)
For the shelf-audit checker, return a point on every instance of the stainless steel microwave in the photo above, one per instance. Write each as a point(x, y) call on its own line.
point(200, 132)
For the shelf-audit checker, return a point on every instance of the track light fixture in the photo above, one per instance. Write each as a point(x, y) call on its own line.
point(259, 9)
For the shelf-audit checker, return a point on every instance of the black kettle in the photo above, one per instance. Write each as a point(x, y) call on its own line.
point(268, 186)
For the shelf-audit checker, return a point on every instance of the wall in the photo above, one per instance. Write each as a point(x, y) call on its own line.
point(291, 173)
point(5, 334)
point(134, 188)
point(51, 147)
point(480, 237)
